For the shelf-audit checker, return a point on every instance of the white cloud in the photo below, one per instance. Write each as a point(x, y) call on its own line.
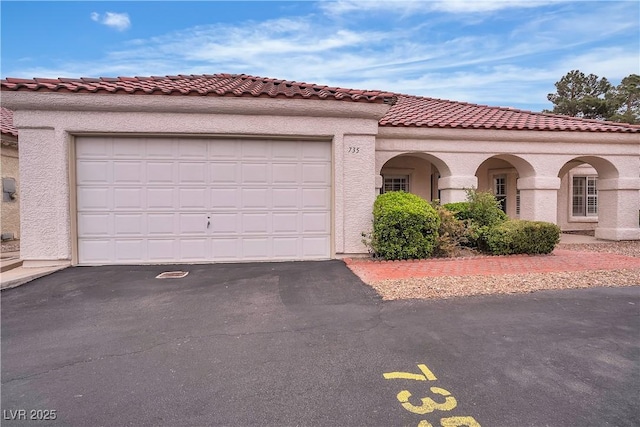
point(517, 69)
point(405, 7)
point(119, 21)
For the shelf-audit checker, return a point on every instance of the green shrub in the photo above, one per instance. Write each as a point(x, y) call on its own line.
point(484, 209)
point(520, 237)
point(405, 226)
point(459, 209)
point(452, 233)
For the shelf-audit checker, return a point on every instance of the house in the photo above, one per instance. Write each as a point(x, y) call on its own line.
point(10, 182)
point(201, 168)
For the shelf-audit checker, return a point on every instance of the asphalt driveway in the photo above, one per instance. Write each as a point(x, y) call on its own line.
point(306, 343)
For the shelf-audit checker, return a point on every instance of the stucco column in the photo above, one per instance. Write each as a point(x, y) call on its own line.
point(539, 198)
point(454, 188)
point(44, 211)
point(618, 206)
point(358, 184)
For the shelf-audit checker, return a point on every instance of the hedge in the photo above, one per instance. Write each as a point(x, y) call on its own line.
point(520, 237)
point(405, 226)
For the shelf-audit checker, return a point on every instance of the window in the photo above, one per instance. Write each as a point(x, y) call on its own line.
point(518, 202)
point(396, 183)
point(500, 190)
point(585, 196)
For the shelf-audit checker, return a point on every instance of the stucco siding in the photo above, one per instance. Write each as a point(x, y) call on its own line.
point(11, 209)
point(48, 182)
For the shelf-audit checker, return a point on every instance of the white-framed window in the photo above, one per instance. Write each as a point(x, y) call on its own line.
point(500, 190)
point(584, 196)
point(396, 183)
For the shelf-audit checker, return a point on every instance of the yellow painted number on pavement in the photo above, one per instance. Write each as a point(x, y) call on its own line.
point(428, 404)
point(452, 422)
point(459, 422)
point(426, 375)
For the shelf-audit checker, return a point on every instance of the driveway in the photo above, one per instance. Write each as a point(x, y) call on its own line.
point(307, 343)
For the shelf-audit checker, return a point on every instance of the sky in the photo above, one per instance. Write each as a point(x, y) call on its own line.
point(498, 52)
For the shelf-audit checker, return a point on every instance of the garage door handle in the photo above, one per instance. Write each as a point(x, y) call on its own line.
point(208, 222)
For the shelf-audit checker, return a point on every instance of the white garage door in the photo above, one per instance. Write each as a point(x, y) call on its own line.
point(162, 200)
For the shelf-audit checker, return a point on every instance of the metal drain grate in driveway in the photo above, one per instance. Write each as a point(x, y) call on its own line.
point(172, 275)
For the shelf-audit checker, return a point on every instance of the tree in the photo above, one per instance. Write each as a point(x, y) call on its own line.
point(626, 98)
point(582, 96)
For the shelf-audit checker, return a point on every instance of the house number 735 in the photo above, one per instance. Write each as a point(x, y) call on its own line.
point(354, 150)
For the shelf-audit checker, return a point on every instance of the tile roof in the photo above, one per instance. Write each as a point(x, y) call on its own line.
point(6, 122)
point(406, 110)
point(415, 111)
point(237, 85)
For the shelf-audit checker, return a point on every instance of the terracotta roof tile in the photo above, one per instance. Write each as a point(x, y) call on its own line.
point(6, 122)
point(416, 111)
point(239, 85)
point(406, 110)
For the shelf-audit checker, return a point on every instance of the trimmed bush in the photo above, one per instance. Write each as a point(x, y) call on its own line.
point(520, 237)
point(459, 209)
point(484, 209)
point(405, 226)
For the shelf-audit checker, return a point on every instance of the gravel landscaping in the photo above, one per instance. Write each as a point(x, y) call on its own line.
point(455, 286)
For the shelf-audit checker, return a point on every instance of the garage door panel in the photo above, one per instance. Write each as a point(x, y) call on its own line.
point(315, 173)
point(127, 172)
point(285, 247)
point(161, 198)
point(316, 151)
point(315, 198)
point(315, 247)
point(130, 250)
point(285, 173)
point(192, 173)
point(224, 173)
point(193, 249)
point(160, 172)
point(314, 222)
point(189, 200)
point(195, 223)
point(286, 150)
point(94, 198)
point(95, 225)
point(255, 198)
point(226, 249)
point(256, 248)
point(285, 198)
point(254, 150)
point(132, 224)
point(192, 149)
point(225, 198)
point(255, 223)
point(99, 251)
point(285, 222)
point(95, 172)
point(161, 250)
point(130, 148)
point(228, 150)
point(224, 223)
point(161, 224)
point(128, 198)
point(98, 148)
point(193, 198)
point(255, 173)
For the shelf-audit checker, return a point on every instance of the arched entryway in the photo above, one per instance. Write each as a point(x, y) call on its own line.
point(499, 175)
point(415, 172)
point(583, 204)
